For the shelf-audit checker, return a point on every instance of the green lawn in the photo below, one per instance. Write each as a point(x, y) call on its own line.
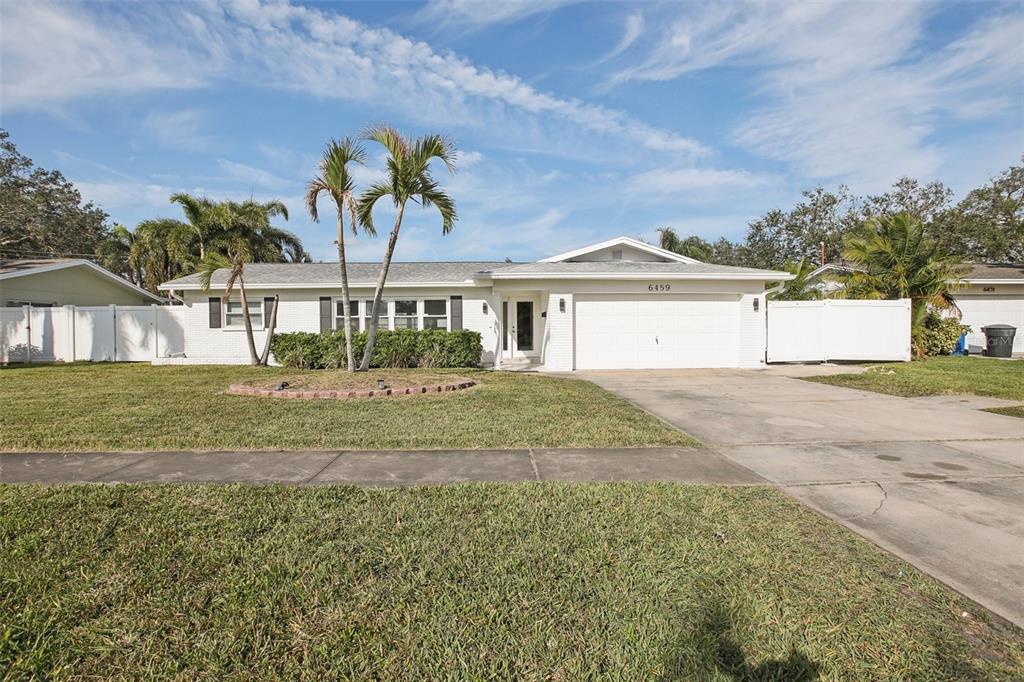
point(942, 376)
point(530, 581)
point(140, 407)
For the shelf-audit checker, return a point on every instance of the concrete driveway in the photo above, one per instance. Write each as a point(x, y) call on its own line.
point(933, 480)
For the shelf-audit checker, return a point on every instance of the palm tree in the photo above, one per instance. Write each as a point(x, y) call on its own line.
point(115, 251)
point(408, 178)
point(894, 259)
point(193, 234)
point(801, 288)
point(152, 254)
point(233, 260)
point(335, 180)
point(668, 239)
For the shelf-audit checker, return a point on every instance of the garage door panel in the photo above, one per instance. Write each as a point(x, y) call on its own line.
point(980, 310)
point(625, 332)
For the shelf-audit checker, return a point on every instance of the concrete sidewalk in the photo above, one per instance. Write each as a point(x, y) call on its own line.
point(377, 468)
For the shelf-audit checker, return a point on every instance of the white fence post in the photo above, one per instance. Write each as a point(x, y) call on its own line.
point(27, 309)
point(156, 330)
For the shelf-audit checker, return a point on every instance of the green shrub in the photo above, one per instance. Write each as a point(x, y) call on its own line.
point(938, 335)
point(398, 348)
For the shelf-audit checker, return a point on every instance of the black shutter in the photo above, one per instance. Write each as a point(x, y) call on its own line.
point(214, 313)
point(456, 313)
point(268, 304)
point(325, 314)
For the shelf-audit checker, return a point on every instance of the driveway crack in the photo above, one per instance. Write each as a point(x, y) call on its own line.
point(885, 496)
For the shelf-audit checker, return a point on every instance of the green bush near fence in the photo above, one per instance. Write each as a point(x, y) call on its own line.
point(938, 335)
point(398, 348)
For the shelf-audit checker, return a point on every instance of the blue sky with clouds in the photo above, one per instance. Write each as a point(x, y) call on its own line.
point(577, 121)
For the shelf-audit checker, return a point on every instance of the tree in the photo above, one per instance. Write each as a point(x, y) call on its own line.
point(233, 260)
point(801, 288)
point(335, 181)
point(894, 259)
point(408, 178)
point(988, 225)
point(152, 254)
point(822, 218)
point(211, 223)
point(691, 247)
point(926, 203)
point(41, 213)
point(114, 253)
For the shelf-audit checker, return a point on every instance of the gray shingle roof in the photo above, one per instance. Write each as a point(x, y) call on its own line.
point(995, 271)
point(326, 274)
point(456, 272)
point(637, 267)
point(17, 264)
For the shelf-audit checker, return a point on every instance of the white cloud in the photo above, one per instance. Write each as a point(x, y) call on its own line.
point(848, 94)
point(291, 47)
point(633, 29)
point(52, 53)
point(474, 14)
point(674, 181)
point(248, 174)
point(177, 129)
point(128, 194)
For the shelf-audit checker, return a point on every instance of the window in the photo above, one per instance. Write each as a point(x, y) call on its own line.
point(383, 321)
point(435, 314)
point(339, 314)
point(233, 314)
point(617, 254)
point(19, 304)
point(406, 315)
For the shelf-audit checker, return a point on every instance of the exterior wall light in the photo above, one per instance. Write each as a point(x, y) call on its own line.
point(485, 307)
point(757, 304)
point(561, 305)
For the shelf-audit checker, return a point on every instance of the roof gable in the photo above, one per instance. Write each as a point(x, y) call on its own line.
point(21, 268)
point(630, 250)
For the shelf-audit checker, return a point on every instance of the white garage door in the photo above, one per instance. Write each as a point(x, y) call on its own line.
point(980, 310)
point(642, 332)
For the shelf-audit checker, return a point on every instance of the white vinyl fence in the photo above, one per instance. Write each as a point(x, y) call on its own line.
point(93, 333)
point(835, 329)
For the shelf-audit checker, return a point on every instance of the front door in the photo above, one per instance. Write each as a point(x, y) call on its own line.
point(518, 318)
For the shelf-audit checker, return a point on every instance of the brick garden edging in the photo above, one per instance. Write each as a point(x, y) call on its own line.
point(242, 389)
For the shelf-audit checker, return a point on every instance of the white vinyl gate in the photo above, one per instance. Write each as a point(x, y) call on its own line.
point(92, 333)
point(836, 329)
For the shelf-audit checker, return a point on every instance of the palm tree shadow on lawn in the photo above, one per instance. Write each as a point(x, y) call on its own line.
point(714, 641)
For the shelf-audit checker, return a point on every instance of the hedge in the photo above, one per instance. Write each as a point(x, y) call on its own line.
point(938, 335)
point(398, 348)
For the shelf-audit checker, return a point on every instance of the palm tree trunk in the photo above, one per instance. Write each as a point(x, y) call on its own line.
point(271, 325)
point(371, 332)
point(346, 304)
point(253, 358)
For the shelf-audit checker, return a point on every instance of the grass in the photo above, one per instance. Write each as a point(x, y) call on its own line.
point(942, 376)
point(140, 407)
point(531, 581)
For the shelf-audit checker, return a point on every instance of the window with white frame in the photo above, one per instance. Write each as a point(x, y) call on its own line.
point(339, 314)
point(233, 318)
point(435, 314)
point(406, 314)
point(383, 321)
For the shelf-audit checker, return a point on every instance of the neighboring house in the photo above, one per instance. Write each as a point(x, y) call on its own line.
point(618, 304)
point(50, 282)
point(994, 294)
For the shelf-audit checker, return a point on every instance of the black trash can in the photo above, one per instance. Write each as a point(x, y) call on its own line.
point(999, 340)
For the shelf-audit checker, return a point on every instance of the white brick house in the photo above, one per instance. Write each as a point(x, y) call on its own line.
point(618, 304)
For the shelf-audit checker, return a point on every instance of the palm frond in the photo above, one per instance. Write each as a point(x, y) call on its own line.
point(367, 201)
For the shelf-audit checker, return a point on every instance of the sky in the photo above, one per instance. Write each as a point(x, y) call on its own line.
point(576, 122)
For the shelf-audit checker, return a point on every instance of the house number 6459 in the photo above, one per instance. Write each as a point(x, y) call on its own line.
point(659, 287)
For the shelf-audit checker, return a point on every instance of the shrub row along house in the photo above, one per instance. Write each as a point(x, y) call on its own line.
point(621, 303)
